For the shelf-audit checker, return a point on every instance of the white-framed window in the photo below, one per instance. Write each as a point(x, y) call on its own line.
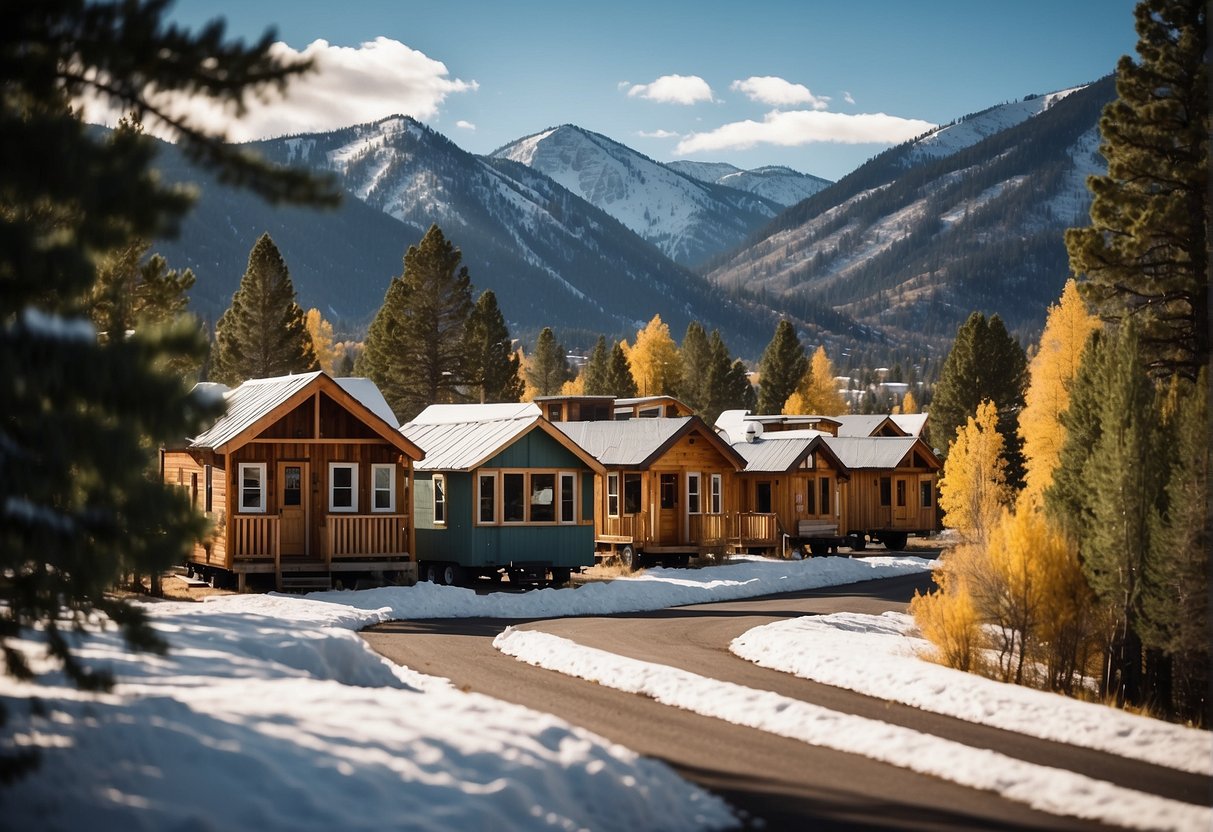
point(568, 498)
point(440, 499)
point(383, 488)
point(252, 487)
point(612, 495)
point(486, 498)
point(343, 486)
point(716, 506)
point(694, 493)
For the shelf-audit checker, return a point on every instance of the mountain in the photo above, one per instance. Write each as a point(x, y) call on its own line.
point(688, 219)
point(969, 217)
point(774, 182)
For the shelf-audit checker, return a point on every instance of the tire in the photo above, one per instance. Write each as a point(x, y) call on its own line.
point(561, 575)
point(895, 541)
point(819, 548)
point(859, 542)
point(430, 573)
point(452, 575)
point(627, 558)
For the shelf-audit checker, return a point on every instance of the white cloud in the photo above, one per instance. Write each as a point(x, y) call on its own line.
point(799, 127)
point(348, 85)
point(674, 89)
point(779, 93)
point(846, 96)
point(465, 125)
point(657, 134)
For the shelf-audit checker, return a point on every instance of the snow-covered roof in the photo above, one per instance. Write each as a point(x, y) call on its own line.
point(911, 423)
point(452, 443)
point(870, 451)
point(737, 424)
point(446, 414)
point(367, 392)
point(864, 424)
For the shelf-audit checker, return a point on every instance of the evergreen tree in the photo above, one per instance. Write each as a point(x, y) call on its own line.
point(985, 363)
point(695, 357)
point(264, 332)
point(321, 333)
point(782, 366)
point(81, 415)
point(654, 360)
point(1146, 253)
point(416, 347)
point(548, 369)
point(597, 369)
point(492, 364)
point(619, 375)
point(727, 383)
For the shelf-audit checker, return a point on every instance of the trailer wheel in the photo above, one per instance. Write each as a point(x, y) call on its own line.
point(859, 541)
point(627, 558)
point(895, 541)
point(431, 573)
point(561, 575)
point(819, 548)
point(452, 575)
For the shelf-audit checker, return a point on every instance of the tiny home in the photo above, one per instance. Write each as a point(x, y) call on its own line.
point(666, 493)
point(874, 424)
point(304, 476)
point(650, 407)
point(500, 490)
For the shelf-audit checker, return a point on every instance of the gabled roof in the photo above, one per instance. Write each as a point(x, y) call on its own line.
point(877, 452)
point(911, 423)
point(736, 424)
point(464, 444)
point(867, 424)
point(779, 454)
point(637, 443)
point(259, 402)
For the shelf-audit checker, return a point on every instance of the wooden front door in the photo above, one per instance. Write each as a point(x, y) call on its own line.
point(668, 520)
point(292, 507)
point(902, 495)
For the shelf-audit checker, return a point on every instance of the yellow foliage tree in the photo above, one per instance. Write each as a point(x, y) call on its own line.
point(948, 619)
point(817, 393)
point(973, 489)
point(529, 391)
point(574, 386)
point(1048, 395)
point(654, 359)
point(322, 340)
point(908, 403)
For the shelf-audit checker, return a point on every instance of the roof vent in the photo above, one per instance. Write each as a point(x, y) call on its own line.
point(752, 431)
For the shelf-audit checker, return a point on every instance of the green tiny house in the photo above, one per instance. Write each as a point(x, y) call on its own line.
point(503, 491)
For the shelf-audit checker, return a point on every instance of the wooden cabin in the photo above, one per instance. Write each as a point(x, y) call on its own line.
point(865, 424)
point(667, 489)
point(500, 490)
point(577, 408)
point(650, 407)
point(304, 477)
point(892, 489)
point(801, 483)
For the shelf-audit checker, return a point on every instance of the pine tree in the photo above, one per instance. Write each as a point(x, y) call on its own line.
point(321, 333)
point(492, 365)
point(973, 489)
point(619, 374)
point(548, 369)
point(597, 368)
point(694, 356)
point(780, 369)
point(1052, 373)
point(654, 360)
point(726, 382)
point(985, 363)
point(263, 333)
point(416, 347)
point(81, 415)
point(817, 392)
point(1146, 253)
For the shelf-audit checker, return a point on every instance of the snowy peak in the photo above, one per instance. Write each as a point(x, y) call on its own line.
point(774, 182)
point(687, 218)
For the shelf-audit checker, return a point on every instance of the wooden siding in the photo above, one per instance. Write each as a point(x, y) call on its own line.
point(180, 469)
point(865, 512)
point(791, 501)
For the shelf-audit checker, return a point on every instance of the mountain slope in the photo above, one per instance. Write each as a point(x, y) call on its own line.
point(688, 219)
point(971, 216)
point(774, 182)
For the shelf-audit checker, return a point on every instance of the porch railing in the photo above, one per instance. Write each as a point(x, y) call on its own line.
point(631, 528)
point(753, 528)
point(255, 535)
point(363, 535)
point(708, 529)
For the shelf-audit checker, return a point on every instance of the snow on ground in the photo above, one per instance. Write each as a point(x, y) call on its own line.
point(1041, 787)
point(879, 656)
point(270, 712)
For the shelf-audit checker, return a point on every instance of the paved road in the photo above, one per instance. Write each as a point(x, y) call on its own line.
point(785, 783)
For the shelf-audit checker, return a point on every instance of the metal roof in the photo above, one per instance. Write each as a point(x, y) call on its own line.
point(248, 403)
point(453, 414)
point(464, 445)
point(870, 451)
point(911, 423)
point(774, 455)
point(629, 442)
point(861, 424)
point(366, 391)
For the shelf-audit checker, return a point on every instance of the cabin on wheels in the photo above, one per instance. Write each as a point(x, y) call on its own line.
point(650, 407)
point(892, 489)
point(666, 493)
point(500, 490)
point(303, 477)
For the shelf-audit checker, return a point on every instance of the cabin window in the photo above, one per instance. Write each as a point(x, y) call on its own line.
point(650, 413)
point(669, 490)
point(693, 494)
point(343, 486)
point(901, 493)
point(824, 484)
point(210, 488)
point(513, 498)
point(926, 493)
point(886, 491)
point(631, 494)
point(439, 499)
point(252, 486)
point(717, 501)
point(810, 493)
point(486, 499)
point(194, 489)
point(383, 488)
point(612, 495)
point(543, 498)
point(568, 498)
point(554, 413)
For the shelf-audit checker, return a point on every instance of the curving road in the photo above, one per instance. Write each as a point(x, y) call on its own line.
point(776, 783)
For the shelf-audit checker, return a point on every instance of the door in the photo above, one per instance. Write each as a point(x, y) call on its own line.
point(668, 521)
point(292, 507)
point(762, 497)
point(902, 515)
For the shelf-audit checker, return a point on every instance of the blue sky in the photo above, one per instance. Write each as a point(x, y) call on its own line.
point(747, 83)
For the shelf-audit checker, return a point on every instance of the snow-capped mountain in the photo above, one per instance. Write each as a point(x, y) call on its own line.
point(970, 216)
point(688, 219)
point(774, 182)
